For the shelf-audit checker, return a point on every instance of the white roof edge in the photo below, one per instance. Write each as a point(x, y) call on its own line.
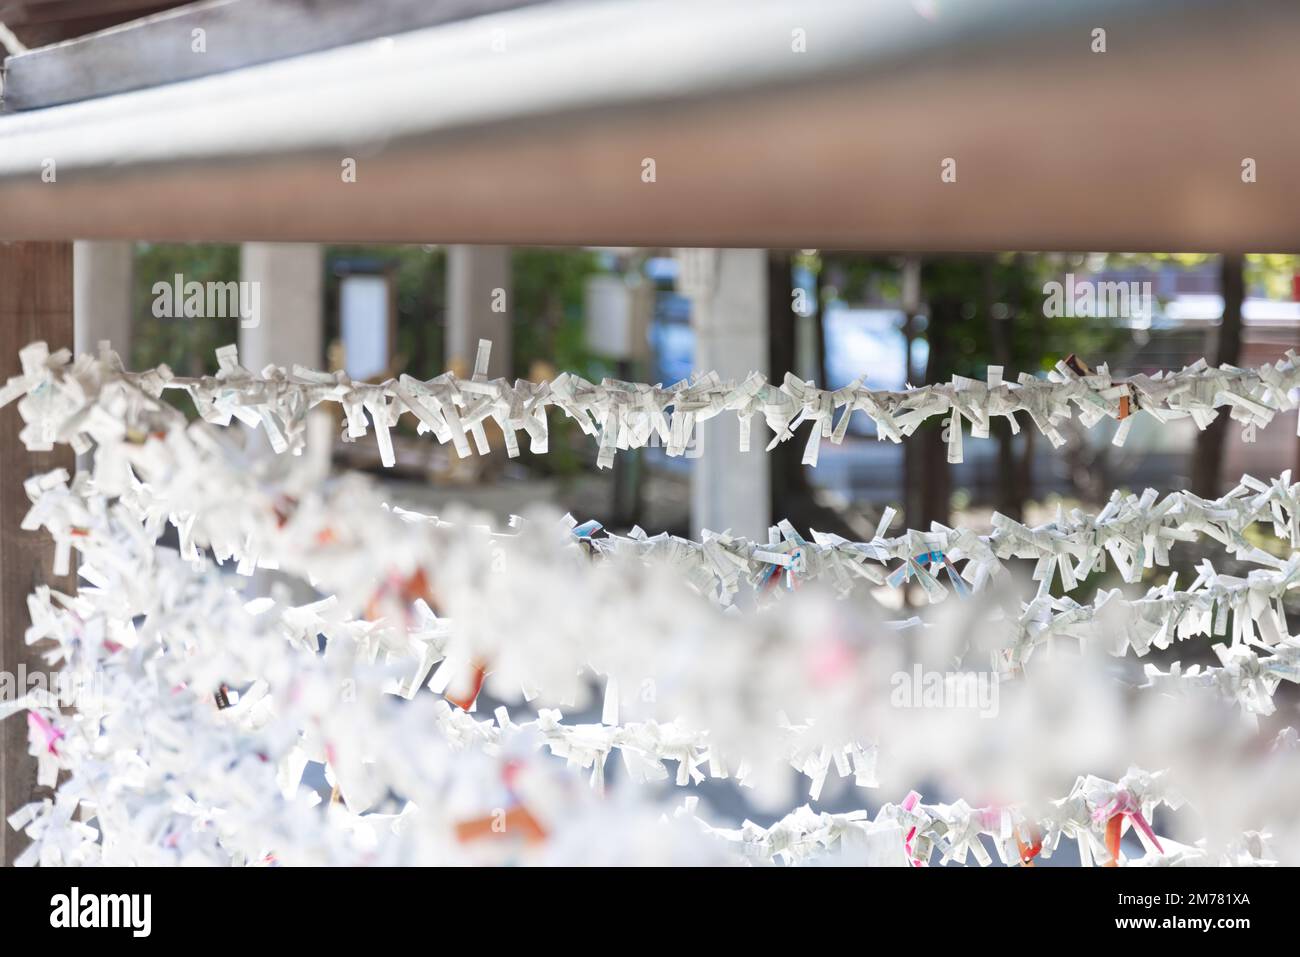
point(561, 57)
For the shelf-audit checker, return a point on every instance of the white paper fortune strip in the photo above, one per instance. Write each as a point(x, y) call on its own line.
point(626, 415)
point(1094, 813)
point(207, 716)
point(332, 539)
point(181, 736)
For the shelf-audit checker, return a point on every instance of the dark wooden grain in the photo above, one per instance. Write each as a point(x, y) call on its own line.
point(35, 303)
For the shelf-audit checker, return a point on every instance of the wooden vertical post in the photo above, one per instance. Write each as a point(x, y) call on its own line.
point(35, 303)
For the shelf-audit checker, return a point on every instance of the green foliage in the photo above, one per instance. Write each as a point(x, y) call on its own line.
point(1272, 273)
point(1269, 274)
point(187, 345)
point(547, 307)
point(547, 311)
point(1000, 302)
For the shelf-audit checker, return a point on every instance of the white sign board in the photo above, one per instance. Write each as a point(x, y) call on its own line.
point(363, 325)
point(616, 315)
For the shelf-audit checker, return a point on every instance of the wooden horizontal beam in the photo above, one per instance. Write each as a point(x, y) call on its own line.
point(1056, 147)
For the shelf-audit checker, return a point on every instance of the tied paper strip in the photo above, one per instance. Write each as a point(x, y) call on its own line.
point(911, 833)
point(1134, 532)
point(623, 415)
point(216, 505)
point(350, 766)
point(110, 546)
point(194, 629)
point(101, 405)
point(1110, 622)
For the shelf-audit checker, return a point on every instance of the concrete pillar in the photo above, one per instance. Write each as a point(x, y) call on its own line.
point(478, 307)
point(728, 289)
point(102, 307)
point(290, 328)
point(290, 325)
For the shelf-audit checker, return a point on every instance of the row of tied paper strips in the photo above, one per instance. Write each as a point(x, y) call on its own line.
point(208, 727)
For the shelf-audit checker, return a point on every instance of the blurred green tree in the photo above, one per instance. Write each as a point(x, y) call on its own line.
point(549, 336)
point(1270, 274)
point(187, 345)
point(549, 288)
point(973, 311)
